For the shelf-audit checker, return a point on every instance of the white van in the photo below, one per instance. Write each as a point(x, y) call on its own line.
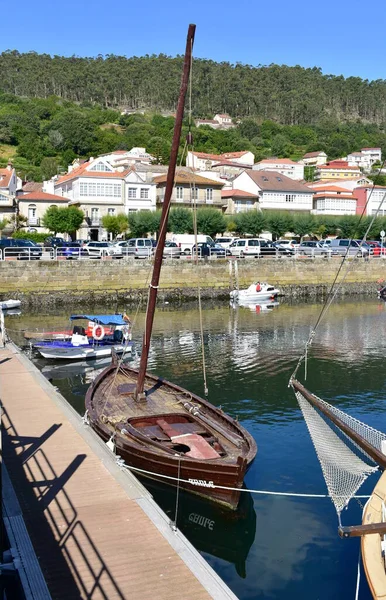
point(225, 242)
point(186, 241)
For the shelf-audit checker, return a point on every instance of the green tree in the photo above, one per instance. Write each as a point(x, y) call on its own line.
point(252, 222)
point(180, 220)
point(63, 220)
point(210, 221)
point(48, 167)
point(3, 224)
point(278, 223)
point(143, 222)
point(115, 224)
point(303, 225)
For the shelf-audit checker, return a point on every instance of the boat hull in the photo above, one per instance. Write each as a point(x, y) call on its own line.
point(9, 304)
point(372, 554)
point(205, 478)
point(68, 352)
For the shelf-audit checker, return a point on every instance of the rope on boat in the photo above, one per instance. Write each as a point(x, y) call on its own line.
point(209, 484)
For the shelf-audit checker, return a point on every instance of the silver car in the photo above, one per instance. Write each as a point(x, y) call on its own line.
point(171, 250)
point(139, 248)
point(313, 248)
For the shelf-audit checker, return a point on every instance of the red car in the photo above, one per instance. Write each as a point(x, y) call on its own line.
point(377, 247)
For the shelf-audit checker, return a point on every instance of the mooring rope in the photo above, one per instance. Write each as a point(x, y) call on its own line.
point(209, 484)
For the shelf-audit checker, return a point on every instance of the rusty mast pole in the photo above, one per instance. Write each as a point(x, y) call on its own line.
point(165, 213)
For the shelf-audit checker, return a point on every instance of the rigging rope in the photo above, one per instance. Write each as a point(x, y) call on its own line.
point(333, 291)
point(193, 193)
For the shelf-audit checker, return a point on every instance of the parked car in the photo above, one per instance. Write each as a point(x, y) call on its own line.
point(206, 249)
point(20, 249)
point(225, 242)
point(288, 243)
point(313, 248)
point(171, 250)
point(341, 247)
point(247, 247)
point(72, 250)
point(54, 242)
point(377, 248)
point(139, 247)
point(100, 249)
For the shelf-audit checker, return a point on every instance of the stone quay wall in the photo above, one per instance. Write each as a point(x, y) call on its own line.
point(59, 282)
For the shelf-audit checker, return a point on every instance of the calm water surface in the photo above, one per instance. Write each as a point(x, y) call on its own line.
point(274, 547)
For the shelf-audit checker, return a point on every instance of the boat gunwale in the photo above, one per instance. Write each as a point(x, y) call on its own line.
point(236, 426)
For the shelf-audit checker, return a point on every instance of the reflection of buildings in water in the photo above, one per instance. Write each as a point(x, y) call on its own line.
point(224, 534)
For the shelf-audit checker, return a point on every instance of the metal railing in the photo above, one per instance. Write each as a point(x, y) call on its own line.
point(84, 253)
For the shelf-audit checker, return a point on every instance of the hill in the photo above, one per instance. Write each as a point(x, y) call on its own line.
point(287, 95)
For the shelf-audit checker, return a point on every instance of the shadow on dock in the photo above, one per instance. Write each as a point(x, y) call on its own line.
point(70, 561)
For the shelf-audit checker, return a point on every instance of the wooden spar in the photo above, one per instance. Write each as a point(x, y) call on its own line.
point(375, 454)
point(164, 216)
point(359, 530)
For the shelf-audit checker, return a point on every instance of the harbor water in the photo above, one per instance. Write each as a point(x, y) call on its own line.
point(274, 546)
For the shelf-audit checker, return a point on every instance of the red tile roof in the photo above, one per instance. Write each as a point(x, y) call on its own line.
point(5, 177)
point(225, 156)
point(330, 188)
point(42, 197)
point(278, 161)
point(313, 154)
point(338, 166)
point(237, 194)
point(81, 171)
point(272, 181)
point(326, 194)
point(371, 148)
point(32, 186)
point(189, 178)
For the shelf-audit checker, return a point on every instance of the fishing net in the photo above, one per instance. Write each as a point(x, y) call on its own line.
point(344, 464)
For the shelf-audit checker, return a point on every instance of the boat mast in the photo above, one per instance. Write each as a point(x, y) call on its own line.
point(164, 216)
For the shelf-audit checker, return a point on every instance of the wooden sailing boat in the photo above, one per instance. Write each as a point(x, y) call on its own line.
point(165, 431)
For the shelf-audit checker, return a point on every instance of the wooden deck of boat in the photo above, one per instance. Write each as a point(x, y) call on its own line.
point(96, 531)
point(372, 555)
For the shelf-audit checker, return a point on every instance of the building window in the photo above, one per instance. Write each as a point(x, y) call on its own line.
point(209, 194)
point(95, 216)
point(144, 193)
point(101, 166)
point(179, 192)
point(111, 190)
point(32, 211)
point(194, 193)
point(111, 212)
point(290, 197)
point(132, 210)
point(132, 192)
point(3, 198)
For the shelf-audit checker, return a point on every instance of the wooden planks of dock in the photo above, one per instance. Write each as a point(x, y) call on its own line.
point(95, 530)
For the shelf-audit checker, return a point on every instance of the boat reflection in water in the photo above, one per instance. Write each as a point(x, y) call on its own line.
point(87, 370)
point(224, 534)
point(263, 306)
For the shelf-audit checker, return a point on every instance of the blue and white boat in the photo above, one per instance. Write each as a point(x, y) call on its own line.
point(97, 345)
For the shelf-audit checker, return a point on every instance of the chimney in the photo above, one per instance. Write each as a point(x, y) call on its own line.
point(9, 166)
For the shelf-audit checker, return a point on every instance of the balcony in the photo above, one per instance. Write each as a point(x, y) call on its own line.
point(33, 222)
point(93, 221)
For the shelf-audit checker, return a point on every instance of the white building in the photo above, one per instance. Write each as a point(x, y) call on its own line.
point(284, 166)
point(275, 191)
point(365, 158)
point(334, 200)
point(100, 189)
point(8, 185)
point(126, 158)
point(313, 159)
point(203, 161)
point(372, 200)
point(349, 184)
point(224, 120)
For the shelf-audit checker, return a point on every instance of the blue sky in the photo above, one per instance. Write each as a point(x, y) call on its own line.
point(335, 35)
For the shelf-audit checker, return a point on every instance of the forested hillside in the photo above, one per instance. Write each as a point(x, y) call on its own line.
point(288, 95)
point(54, 109)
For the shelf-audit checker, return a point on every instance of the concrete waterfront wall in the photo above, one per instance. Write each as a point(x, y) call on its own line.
point(57, 282)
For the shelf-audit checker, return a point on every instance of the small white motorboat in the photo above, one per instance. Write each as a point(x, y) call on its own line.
point(100, 345)
point(257, 291)
point(9, 304)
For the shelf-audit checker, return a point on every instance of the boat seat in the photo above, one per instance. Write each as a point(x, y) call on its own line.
point(154, 432)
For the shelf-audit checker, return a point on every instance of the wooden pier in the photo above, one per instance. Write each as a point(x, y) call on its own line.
point(95, 529)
